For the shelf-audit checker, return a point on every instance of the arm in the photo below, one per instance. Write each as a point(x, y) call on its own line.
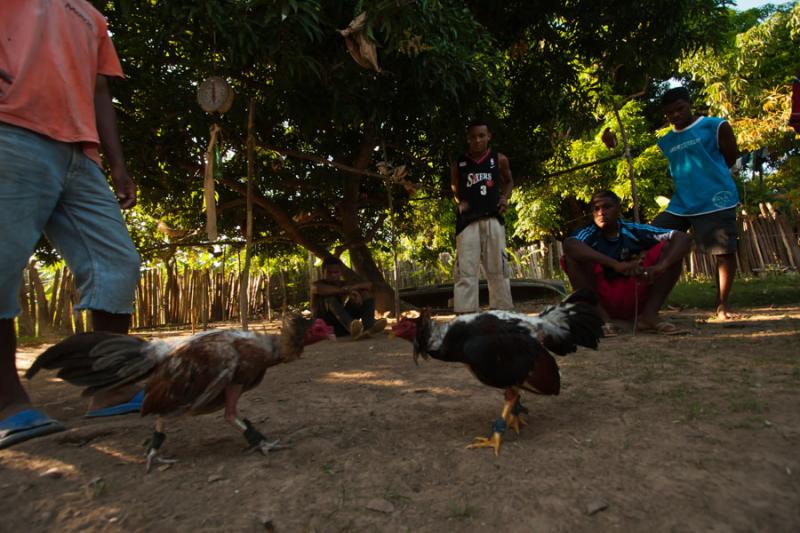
point(112, 149)
point(359, 286)
point(508, 182)
point(326, 289)
point(727, 143)
point(322, 288)
point(583, 253)
point(454, 187)
point(679, 245)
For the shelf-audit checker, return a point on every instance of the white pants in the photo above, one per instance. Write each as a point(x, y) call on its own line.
point(482, 243)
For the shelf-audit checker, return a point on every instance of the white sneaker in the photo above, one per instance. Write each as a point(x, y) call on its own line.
point(356, 329)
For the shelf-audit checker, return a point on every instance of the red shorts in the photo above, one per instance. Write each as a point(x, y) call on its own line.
point(618, 295)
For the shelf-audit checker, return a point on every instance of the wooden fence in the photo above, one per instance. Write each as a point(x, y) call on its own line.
point(172, 295)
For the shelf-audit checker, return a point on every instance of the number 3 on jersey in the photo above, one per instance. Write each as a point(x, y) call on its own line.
point(483, 190)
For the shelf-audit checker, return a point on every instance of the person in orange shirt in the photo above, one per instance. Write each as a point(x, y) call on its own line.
point(55, 112)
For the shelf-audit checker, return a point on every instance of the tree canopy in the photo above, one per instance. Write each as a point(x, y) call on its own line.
point(546, 73)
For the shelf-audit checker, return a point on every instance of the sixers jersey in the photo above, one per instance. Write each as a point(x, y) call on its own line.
point(479, 185)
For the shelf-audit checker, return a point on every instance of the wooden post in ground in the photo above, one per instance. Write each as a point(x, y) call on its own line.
point(244, 284)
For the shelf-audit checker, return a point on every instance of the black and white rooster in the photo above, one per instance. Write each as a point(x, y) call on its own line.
point(205, 373)
point(510, 351)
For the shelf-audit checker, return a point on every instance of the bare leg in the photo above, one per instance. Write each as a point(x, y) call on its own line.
point(726, 272)
point(256, 440)
point(104, 321)
point(581, 276)
point(114, 323)
point(155, 444)
point(657, 295)
point(13, 397)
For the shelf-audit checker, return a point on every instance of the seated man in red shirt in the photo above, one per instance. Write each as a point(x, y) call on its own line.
point(632, 267)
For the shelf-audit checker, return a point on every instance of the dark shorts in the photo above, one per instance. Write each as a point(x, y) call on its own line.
point(714, 233)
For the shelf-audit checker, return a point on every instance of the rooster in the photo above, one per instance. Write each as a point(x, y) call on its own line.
point(509, 351)
point(207, 372)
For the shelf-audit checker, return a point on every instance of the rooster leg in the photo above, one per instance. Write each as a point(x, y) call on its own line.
point(513, 415)
point(255, 439)
point(509, 417)
point(498, 428)
point(155, 443)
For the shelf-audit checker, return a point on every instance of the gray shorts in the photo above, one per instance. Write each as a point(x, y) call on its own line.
point(714, 233)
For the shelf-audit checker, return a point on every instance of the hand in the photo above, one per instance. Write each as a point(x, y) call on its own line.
point(502, 204)
point(628, 268)
point(355, 297)
point(124, 187)
point(463, 207)
point(651, 273)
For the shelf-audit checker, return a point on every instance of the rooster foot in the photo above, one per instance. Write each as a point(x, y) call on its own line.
point(153, 457)
point(483, 442)
point(498, 429)
point(515, 419)
point(516, 422)
point(264, 447)
point(154, 444)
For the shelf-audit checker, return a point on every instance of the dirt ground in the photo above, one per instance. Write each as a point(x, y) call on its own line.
point(693, 433)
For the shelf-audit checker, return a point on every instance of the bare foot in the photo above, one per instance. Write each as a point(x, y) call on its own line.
point(724, 314)
point(12, 409)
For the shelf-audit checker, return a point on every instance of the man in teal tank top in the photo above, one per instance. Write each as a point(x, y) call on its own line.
point(700, 151)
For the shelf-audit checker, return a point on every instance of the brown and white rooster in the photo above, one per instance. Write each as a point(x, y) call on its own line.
point(510, 351)
point(205, 373)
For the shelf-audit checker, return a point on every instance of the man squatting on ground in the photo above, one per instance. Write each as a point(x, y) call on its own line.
point(481, 183)
point(55, 110)
point(348, 307)
point(632, 267)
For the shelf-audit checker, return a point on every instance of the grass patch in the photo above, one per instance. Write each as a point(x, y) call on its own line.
point(391, 494)
point(747, 405)
point(464, 511)
point(770, 289)
point(697, 411)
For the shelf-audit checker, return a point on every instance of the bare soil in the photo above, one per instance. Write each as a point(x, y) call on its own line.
point(693, 433)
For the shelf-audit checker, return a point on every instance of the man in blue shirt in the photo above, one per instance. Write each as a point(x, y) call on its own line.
point(700, 151)
point(632, 267)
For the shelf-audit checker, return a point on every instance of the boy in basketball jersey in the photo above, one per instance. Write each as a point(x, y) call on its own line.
point(481, 183)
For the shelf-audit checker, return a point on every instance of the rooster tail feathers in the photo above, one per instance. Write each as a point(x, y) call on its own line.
point(582, 296)
point(96, 361)
point(67, 353)
point(572, 323)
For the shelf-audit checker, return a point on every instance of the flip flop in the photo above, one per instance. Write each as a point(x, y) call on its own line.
point(664, 328)
point(26, 425)
point(610, 330)
point(134, 405)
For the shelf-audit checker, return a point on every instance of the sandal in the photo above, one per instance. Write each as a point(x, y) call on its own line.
point(610, 330)
point(664, 327)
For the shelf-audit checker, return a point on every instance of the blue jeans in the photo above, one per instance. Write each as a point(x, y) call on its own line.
point(51, 187)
